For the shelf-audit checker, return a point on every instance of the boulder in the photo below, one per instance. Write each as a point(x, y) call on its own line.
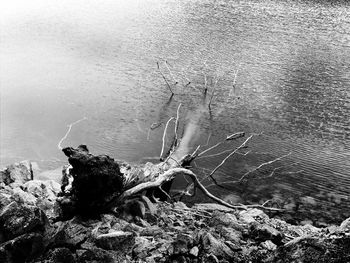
point(211, 245)
point(23, 197)
point(22, 248)
point(5, 199)
point(142, 248)
point(59, 255)
point(182, 244)
point(17, 219)
point(210, 207)
point(223, 219)
point(69, 234)
point(263, 232)
point(43, 189)
point(116, 240)
point(18, 172)
point(345, 225)
point(97, 180)
point(321, 250)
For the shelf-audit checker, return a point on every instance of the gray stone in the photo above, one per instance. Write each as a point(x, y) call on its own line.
point(18, 172)
point(43, 189)
point(142, 247)
point(182, 243)
point(17, 219)
point(69, 234)
point(116, 240)
point(23, 197)
point(194, 251)
point(211, 245)
point(269, 245)
point(263, 232)
point(230, 234)
point(59, 255)
point(223, 219)
point(246, 218)
point(345, 225)
point(95, 255)
point(5, 199)
point(212, 207)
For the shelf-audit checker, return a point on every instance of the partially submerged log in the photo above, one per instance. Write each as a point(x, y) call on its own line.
point(99, 186)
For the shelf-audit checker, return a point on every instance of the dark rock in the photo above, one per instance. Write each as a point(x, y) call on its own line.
point(263, 232)
point(211, 245)
point(59, 255)
point(22, 248)
point(95, 255)
point(223, 219)
point(17, 219)
point(230, 234)
point(97, 180)
point(142, 248)
point(182, 244)
point(330, 250)
point(132, 210)
point(69, 234)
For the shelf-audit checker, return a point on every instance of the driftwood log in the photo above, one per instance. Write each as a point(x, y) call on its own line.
point(100, 185)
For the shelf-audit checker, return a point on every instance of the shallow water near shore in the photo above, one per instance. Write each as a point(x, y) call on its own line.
point(62, 61)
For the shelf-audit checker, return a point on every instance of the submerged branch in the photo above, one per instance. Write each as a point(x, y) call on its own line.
point(166, 81)
point(163, 139)
point(59, 146)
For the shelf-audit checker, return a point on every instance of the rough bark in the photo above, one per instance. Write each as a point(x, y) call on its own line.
point(97, 180)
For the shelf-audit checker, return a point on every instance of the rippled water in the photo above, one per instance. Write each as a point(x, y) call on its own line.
point(290, 60)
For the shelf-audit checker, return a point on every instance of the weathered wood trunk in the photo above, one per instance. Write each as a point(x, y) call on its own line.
point(96, 181)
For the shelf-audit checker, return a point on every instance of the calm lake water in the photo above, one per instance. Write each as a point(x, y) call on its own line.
point(64, 60)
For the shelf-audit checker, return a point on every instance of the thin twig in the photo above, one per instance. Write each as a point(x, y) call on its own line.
point(177, 123)
point(212, 94)
point(68, 131)
point(228, 138)
point(262, 165)
point(220, 153)
point(228, 156)
point(170, 72)
point(164, 134)
point(167, 83)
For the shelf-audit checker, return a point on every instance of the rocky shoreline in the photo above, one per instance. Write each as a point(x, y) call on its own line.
point(30, 231)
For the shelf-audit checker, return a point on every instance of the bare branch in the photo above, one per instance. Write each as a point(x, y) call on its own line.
point(231, 137)
point(170, 72)
point(228, 156)
point(177, 123)
point(220, 153)
point(59, 146)
point(262, 165)
point(167, 83)
point(235, 136)
point(212, 94)
point(164, 134)
point(171, 174)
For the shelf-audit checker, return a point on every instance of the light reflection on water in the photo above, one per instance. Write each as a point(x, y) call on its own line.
point(61, 61)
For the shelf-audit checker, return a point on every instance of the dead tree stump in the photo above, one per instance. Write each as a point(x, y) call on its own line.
point(97, 180)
